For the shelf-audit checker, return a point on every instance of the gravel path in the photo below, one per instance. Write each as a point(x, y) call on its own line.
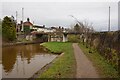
point(85, 69)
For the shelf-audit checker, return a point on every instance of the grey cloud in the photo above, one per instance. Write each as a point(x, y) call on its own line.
point(57, 13)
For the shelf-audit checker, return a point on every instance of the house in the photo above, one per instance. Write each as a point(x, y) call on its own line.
point(25, 30)
point(27, 26)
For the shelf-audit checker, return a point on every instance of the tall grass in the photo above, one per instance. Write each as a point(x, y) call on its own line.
point(105, 69)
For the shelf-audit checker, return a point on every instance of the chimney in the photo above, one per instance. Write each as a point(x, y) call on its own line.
point(28, 20)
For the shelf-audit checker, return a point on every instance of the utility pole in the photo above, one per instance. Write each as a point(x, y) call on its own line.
point(109, 21)
point(109, 31)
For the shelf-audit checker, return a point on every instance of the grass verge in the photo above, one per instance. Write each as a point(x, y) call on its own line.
point(64, 66)
point(104, 69)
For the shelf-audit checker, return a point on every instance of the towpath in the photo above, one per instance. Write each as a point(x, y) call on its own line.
point(85, 69)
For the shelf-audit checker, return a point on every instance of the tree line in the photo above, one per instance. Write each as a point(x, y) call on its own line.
point(8, 29)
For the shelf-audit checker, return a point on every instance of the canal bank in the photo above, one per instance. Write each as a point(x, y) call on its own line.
point(45, 68)
point(19, 43)
point(65, 65)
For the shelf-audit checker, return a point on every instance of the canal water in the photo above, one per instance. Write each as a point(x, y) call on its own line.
point(24, 60)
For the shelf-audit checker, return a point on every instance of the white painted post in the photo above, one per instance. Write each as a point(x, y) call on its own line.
point(65, 38)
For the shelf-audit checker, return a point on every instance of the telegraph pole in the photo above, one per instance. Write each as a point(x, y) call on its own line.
point(109, 21)
point(109, 31)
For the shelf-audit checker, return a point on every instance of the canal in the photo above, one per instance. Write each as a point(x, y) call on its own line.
point(24, 61)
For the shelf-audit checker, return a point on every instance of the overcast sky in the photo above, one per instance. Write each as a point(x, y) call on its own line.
point(57, 13)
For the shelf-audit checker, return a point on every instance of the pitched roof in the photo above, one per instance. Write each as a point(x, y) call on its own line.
point(28, 23)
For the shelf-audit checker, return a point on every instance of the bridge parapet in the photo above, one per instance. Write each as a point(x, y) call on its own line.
point(72, 33)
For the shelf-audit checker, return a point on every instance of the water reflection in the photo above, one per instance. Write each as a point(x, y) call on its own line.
point(24, 61)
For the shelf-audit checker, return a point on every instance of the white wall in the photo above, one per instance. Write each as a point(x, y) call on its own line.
point(43, 30)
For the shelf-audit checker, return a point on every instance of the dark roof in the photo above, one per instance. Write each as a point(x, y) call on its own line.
point(53, 28)
point(39, 26)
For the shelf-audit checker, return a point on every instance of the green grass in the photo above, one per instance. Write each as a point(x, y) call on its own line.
point(104, 69)
point(64, 66)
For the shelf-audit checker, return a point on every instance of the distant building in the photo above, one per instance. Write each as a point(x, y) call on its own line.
point(43, 29)
point(19, 27)
point(25, 31)
point(27, 26)
point(31, 32)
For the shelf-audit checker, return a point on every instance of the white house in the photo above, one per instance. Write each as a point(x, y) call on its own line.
point(43, 29)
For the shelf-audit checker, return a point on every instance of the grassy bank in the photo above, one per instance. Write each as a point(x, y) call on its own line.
point(64, 66)
point(104, 69)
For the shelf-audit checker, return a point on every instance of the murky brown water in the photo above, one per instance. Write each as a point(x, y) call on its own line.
point(23, 61)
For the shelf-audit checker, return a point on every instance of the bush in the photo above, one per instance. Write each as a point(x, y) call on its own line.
point(73, 38)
